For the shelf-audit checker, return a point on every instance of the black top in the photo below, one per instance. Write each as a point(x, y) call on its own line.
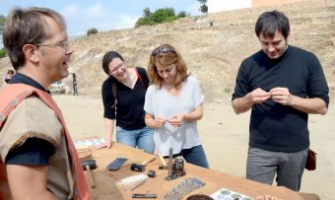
point(275, 127)
point(34, 151)
point(130, 107)
point(74, 77)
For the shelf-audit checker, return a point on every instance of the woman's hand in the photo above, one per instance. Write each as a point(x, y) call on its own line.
point(159, 122)
point(176, 120)
point(154, 122)
point(108, 144)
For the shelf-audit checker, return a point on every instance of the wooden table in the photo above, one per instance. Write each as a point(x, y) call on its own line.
point(107, 187)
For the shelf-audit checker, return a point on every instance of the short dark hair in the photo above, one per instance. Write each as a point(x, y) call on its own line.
point(10, 71)
point(108, 57)
point(269, 22)
point(27, 26)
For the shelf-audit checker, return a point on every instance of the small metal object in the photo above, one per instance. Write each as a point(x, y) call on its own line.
point(152, 196)
point(170, 162)
point(178, 167)
point(137, 167)
point(141, 167)
point(151, 173)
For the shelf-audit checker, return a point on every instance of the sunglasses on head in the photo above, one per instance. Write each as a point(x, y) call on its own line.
point(162, 50)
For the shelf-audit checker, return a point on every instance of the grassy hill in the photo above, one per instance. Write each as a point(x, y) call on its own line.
point(213, 46)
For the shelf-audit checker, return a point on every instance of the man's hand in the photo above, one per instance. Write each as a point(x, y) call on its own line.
point(259, 96)
point(314, 105)
point(243, 104)
point(281, 95)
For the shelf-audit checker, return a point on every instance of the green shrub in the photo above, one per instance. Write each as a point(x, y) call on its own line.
point(2, 53)
point(181, 14)
point(92, 31)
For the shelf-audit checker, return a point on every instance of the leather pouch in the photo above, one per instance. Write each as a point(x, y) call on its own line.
point(311, 160)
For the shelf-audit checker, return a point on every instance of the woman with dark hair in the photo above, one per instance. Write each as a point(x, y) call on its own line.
point(123, 95)
point(173, 105)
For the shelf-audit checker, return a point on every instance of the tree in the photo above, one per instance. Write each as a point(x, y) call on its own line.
point(163, 15)
point(159, 16)
point(146, 12)
point(92, 31)
point(181, 14)
point(2, 20)
point(2, 23)
point(203, 8)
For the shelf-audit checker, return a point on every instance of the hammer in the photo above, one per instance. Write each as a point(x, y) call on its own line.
point(89, 165)
point(141, 167)
point(163, 166)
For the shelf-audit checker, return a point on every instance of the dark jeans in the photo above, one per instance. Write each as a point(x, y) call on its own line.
point(75, 90)
point(195, 155)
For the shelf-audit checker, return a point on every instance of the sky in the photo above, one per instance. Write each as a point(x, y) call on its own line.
point(104, 15)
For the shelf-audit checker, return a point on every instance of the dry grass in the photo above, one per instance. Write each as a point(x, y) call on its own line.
point(213, 54)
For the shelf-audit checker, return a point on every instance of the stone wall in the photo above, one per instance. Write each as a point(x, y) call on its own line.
point(263, 3)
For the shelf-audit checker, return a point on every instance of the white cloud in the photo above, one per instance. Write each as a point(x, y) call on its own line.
point(79, 20)
point(193, 8)
point(106, 16)
point(97, 11)
point(70, 11)
point(127, 21)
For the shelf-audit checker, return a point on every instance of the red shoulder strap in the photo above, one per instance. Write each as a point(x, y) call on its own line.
point(139, 76)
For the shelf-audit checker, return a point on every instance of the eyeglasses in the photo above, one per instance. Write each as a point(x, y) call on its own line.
point(64, 45)
point(162, 50)
point(114, 69)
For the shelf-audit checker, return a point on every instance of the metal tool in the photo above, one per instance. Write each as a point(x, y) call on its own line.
point(164, 165)
point(178, 168)
point(175, 167)
point(183, 188)
point(89, 165)
point(141, 167)
point(153, 196)
point(170, 162)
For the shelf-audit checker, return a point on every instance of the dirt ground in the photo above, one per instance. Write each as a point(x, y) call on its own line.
point(225, 138)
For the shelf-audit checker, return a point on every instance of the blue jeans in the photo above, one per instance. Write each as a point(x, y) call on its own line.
point(195, 155)
point(141, 138)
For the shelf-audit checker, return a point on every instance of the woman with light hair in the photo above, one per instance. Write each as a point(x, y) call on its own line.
point(173, 105)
